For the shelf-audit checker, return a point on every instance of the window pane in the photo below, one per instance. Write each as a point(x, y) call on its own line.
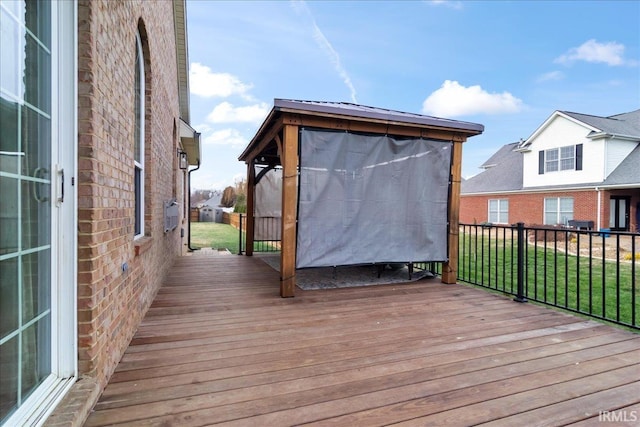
point(137, 183)
point(36, 355)
point(8, 377)
point(9, 215)
point(566, 209)
point(11, 157)
point(504, 211)
point(567, 156)
point(41, 28)
point(551, 205)
point(551, 160)
point(551, 211)
point(566, 204)
point(35, 129)
point(37, 76)
point(36, 213)
point(566, 152)
point(551, 218)
point(36, 296)
point(567, 164)
point(493, 210)
point(9, 302)
point(136, 140)
point(612, 213)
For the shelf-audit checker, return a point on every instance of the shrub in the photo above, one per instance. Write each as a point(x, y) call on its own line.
point(241, 204)
point(628, 257)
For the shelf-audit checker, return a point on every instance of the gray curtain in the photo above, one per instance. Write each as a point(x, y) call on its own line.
point(371, 199)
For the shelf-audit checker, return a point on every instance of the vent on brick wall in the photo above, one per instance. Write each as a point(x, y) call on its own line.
point(171, 213)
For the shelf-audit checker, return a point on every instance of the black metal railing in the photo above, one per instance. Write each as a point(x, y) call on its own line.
point(595, 273)
point(267, 234)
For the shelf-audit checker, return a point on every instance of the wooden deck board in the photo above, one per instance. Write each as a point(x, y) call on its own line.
point(219, 345)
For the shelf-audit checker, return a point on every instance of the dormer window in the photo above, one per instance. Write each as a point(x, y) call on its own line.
point(560, 159)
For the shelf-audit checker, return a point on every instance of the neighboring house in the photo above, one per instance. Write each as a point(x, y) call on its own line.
point(95, 144)
point(574, 167)
point(212, 202)
point(210, 210)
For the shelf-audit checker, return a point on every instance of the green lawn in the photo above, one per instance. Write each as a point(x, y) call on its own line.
point(588, 285)
point(214, 235)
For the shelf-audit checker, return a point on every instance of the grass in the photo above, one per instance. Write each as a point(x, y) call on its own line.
point(217, 235)
point(589, 285)
point(214, 235)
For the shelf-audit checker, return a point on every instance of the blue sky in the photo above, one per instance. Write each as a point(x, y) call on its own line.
point(505, 64)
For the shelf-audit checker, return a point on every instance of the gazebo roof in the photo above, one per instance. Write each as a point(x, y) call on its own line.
point(347, 116)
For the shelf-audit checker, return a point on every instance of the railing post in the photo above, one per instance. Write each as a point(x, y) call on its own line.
point(240, 235)
point(520, 297)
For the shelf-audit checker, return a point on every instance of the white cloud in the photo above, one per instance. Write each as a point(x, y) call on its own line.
point(552, 75)
point(610, 53)
point(453, 99)
point(322, 41)
point(204, 82)
point(225, 112)
point(230, 136)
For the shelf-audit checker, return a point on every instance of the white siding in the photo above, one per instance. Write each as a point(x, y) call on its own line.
point(561, 132)
point(616, 151)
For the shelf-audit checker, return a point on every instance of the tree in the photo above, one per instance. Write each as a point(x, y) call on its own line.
point(228, 197)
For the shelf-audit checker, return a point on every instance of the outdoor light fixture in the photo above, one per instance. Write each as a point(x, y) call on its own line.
point(184, 162)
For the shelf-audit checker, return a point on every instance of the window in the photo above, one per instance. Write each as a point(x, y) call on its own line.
point(499, 211)
point(560, 159)
point(558, 210)
point(567, 159)
point(551, 160)
point(138, 143)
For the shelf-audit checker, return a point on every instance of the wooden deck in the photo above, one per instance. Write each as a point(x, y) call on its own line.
point(220, 346)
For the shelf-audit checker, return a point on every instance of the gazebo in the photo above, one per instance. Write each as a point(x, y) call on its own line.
point(360, 185)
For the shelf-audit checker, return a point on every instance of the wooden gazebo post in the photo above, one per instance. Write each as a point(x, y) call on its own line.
point(450, 268)
point(289, 159)
point(251, 191)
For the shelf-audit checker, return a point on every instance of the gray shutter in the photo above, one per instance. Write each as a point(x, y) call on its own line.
point(579, 157)
point(540, 162)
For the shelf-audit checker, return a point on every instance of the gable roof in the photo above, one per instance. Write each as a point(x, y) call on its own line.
point(503, 172)
point(627, 172)
point(626, 124)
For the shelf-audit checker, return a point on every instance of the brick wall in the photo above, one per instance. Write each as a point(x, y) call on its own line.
point(529, 207)
point(111, 302)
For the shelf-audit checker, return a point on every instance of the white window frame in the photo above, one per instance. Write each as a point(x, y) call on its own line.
point(139, 165)
point(502, 211)
point(564, 158)
point(562, 217)
point(64, 364)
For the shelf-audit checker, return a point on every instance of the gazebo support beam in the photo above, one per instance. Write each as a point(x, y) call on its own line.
point(289, 162)
point(251, 191)
point(450, 268)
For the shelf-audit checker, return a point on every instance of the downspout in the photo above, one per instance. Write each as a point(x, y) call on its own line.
point(598, 218)
point(189, 210)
